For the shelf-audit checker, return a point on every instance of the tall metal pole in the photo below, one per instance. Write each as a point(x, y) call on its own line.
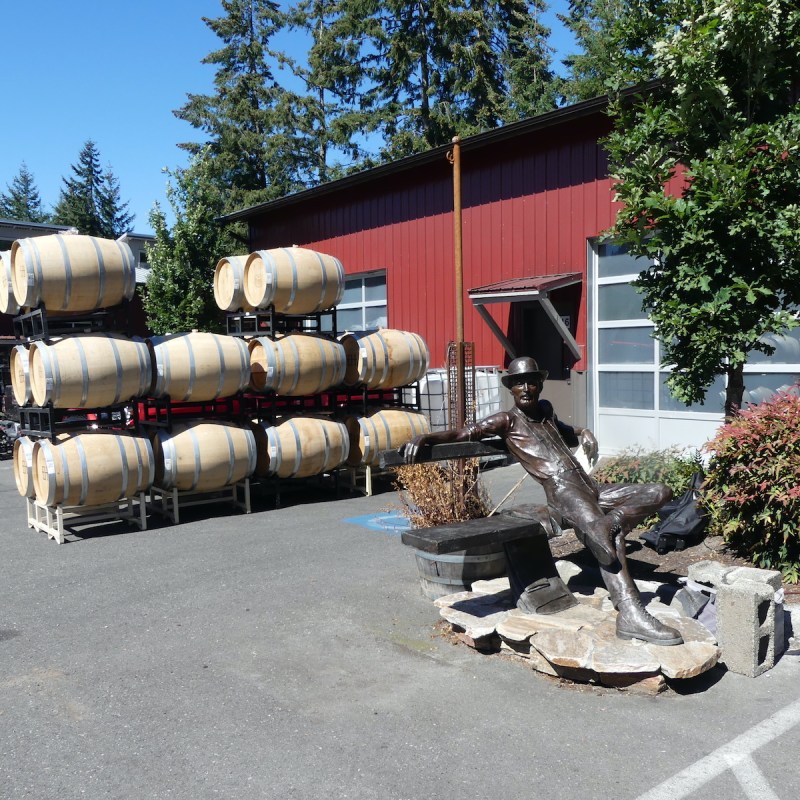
point(461, 399)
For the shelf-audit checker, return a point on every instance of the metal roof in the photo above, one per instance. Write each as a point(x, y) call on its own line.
point(519, 288)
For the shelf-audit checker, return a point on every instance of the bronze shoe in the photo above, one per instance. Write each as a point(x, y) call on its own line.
point(635, 622)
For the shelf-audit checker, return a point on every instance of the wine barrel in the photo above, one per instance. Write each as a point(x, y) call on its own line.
point(229, 284)
point(23, 465)
point(89, 371)
point(91, 469)
point(203, 456)
point(442, 574)
point(20, 374)
point(304, 446)
point(199, 366)
point(295, 365)
point(387, 429)
point(8, 303)
point(385, 359)
point(293, 280)
point(72, 273)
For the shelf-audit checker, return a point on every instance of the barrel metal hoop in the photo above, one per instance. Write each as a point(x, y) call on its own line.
point(123, 455)
point(84, 470)
point(280, 370)
point(221, 354)
point(297, 447)
point(33, 272)
point(324, 282)
point(46, 448)
point(192, 367)
point(252, 454)
point(120, 371)
point(340, 290)
point(196, 449)
point(274, 449)
point(244, 361)
point(296, 371)
point(232, 452)
point(84, 371)
point(67, 272)
point(271, 273)
point(324, 378)
point(101, 273)
point(293, 292)
point(452, 558)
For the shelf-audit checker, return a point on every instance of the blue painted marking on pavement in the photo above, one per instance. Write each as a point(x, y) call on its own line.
point(389, 522)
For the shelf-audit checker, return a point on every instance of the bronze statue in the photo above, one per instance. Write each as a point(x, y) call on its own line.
point(601, 515)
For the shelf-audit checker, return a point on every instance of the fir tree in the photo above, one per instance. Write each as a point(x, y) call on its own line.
point(22, 202)
point(90, 201)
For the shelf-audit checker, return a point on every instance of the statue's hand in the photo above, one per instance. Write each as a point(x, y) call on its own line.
point(589, 445)
point(410, 451)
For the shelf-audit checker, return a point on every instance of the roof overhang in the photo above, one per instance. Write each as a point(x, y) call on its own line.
point(526, 290)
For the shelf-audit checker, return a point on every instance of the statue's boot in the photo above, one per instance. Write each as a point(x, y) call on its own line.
point(635, 622)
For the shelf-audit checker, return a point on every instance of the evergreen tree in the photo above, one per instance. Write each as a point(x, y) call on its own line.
point(89, 200)
point(22, 202)
point(250, 120)
point(179, 294)
point(444, 67)
point(708, 172)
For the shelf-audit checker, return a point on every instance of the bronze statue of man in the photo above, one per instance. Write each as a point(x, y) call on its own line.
point(601, 515)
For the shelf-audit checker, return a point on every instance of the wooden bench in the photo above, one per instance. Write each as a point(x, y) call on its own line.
point(523, 539)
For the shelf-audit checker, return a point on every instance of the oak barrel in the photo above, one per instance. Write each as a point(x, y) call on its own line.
point(294, 280)
point(295, 365)
point(72, 273)
point(198, 366)
point(203, 456)
point(19, 363)
point(442, 574)
point(302, 446)
point(8, 303)
point(229, 284)
point(92, 469)
point(89, 371)
point(385, 359)
point(386, 429)
point(23, 465)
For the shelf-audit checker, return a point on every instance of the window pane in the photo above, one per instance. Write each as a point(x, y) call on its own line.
point(376, 317)
point(714, 404)
point(375, 288)
point(619, 301)
point(626, 346)
point(787, 349)
point(353, 290)
point(349, 319)
point(760, 386)
point(613, 260)
point(626, 389)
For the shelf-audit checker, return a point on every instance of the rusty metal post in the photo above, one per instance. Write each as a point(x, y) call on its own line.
point(454, 156)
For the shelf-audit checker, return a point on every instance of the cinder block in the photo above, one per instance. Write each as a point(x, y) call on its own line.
point(709, 572)
point(770, 576)
point(746, 626)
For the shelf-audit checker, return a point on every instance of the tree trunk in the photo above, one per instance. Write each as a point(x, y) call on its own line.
point(735, 391)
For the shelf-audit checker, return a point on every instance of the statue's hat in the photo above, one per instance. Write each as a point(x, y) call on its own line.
point(524, 368)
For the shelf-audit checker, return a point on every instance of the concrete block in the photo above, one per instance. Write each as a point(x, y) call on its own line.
point(709, 572)
point(770, 576)
point(746, 626)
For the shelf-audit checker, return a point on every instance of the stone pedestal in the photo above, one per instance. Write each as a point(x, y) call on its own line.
point(579, 643)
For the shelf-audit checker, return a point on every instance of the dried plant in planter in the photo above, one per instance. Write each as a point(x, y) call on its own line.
point(434, 494)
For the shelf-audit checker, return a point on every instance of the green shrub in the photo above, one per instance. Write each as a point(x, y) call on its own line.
point(752, 488)
point(671, 466)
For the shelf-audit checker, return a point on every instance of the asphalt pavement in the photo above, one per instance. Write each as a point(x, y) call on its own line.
point(289, 653)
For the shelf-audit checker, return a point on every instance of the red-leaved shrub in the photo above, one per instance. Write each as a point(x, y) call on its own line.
point(752, 488)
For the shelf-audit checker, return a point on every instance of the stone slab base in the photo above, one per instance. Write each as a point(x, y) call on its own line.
point(580, 643)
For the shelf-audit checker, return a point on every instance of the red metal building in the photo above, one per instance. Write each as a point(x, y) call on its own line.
point(533, 193)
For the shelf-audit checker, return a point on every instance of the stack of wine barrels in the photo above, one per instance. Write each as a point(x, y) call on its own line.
point(72, 275)
point(296, 281)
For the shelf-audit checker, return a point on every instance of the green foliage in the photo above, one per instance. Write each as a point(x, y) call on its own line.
point(22, 202)
point(752, 488)
point(179, 294)
point(90, 199)
point(708, 172)
point(672, 467)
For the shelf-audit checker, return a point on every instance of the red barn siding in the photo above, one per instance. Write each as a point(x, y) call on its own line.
point(529, 205)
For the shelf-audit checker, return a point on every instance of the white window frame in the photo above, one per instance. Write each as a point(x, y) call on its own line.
point(364, 304)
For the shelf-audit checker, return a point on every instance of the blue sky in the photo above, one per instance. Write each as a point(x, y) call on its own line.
point(113, 72)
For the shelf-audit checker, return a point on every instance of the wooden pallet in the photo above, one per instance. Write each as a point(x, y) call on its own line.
point(56, 521)
point(168, 502)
